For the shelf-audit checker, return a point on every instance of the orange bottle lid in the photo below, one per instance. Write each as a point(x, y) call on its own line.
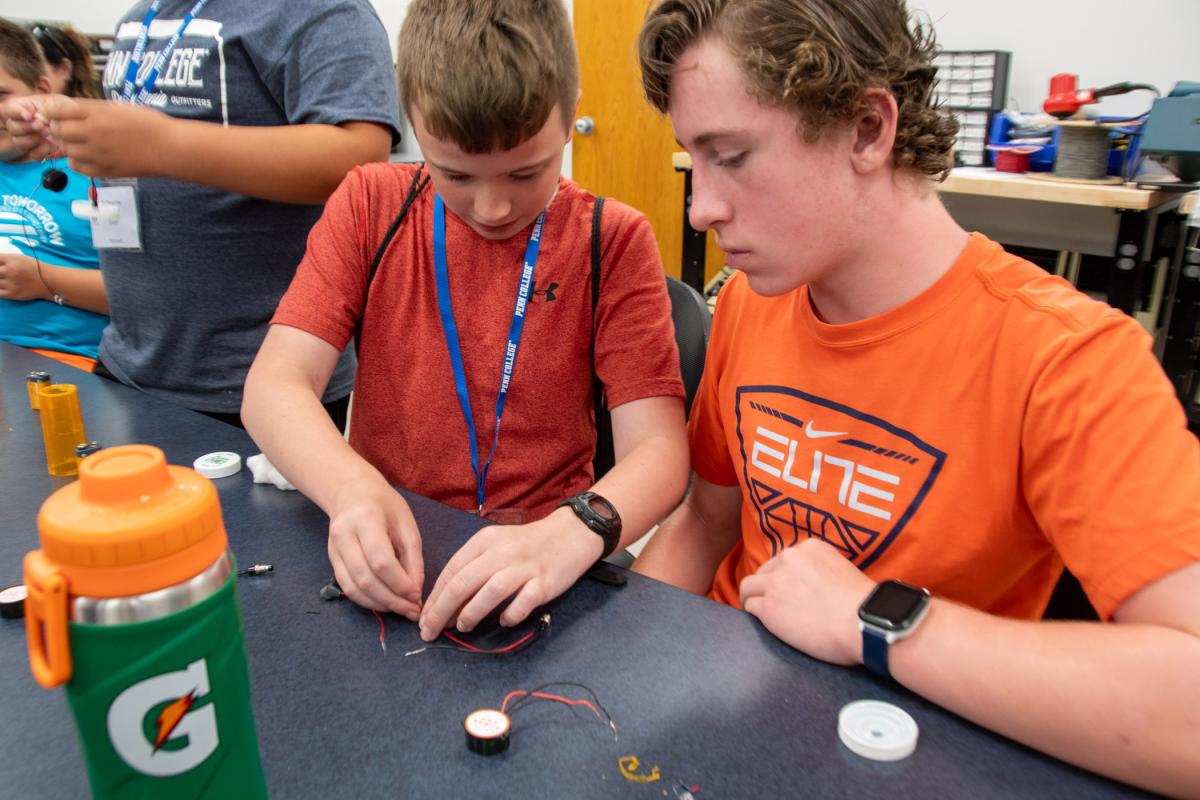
point(131, 524)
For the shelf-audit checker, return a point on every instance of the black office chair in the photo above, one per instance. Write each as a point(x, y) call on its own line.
point(693, 323)
point(1069, 601)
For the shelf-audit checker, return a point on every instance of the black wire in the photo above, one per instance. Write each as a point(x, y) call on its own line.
point(1124, 88)
point(523, 701)
point(29, 233)
point(537, 633)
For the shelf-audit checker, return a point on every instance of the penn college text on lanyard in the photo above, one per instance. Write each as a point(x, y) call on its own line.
point(451, 330)
point(139, 51)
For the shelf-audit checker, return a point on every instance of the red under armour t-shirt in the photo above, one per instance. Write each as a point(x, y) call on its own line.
point(406, 417)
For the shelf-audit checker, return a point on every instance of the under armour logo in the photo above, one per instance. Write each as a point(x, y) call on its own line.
point(548, 291)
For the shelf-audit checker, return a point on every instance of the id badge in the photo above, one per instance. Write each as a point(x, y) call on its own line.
point(504, 516)
point(114, 218)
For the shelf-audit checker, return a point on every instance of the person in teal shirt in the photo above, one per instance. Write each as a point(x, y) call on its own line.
point(52, 294)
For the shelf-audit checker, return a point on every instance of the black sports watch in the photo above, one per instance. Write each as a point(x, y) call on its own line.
point(599, 515)
point(891, 612)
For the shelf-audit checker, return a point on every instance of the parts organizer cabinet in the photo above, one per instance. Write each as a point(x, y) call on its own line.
point(974, 85)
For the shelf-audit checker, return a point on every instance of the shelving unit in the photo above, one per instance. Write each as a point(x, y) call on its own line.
point(974, 85)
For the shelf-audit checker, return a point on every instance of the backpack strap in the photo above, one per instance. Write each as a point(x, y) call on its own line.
point(602, 461)
point(419, 181)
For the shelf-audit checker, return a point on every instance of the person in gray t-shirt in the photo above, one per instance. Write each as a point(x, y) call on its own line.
point(254, 117)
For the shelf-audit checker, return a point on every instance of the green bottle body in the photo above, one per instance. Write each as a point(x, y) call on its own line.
point(163, 707)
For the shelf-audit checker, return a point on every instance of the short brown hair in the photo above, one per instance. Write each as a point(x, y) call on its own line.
point(61, 44)
point(814, 57)
point(20, 55)
point(485, 74)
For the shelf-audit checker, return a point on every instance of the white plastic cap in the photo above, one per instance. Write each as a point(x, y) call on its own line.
point(218, 465)
point(877, 730)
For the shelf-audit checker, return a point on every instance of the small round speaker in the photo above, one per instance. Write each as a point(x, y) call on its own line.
point(54, 179)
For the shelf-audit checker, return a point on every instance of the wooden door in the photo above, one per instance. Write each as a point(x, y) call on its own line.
point(628, 154)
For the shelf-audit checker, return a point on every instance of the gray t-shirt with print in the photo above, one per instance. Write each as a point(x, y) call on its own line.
point(190, 310)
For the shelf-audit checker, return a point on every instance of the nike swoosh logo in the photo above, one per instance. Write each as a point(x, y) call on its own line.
point(813, 433)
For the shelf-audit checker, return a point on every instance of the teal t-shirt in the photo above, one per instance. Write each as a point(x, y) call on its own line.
point(35, 220)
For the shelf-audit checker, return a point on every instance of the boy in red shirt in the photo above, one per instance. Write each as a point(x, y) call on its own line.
point(480, 312)
point(888, 397)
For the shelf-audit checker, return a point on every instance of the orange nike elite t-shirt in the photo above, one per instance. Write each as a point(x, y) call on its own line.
point(970, 441)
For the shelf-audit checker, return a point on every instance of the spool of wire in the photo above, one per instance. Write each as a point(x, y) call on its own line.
point(1082, 152)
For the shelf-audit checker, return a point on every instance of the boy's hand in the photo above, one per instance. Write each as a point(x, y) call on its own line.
point(536, 562)
point(28, 136)
point(808, 596)
point(368, 527)
point(105, 139)
point(19, 279)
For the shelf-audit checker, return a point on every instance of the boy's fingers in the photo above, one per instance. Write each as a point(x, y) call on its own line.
point(375, 541)
point(494, 591)
point(59, 107)
point(370, 591)
point(530, 597)
point(751, 586)
point(449, 595)
point(408, 543)
point(383, 564)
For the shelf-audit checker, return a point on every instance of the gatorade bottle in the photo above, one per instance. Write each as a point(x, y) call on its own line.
point(133, 605)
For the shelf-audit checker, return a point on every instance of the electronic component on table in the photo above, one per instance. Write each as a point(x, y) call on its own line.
point(489, 729)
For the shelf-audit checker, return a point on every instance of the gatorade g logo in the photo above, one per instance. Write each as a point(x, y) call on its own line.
point(178, 737)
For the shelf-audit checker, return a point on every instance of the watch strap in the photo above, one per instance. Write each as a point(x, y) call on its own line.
point(609, 532)
point(875, 651)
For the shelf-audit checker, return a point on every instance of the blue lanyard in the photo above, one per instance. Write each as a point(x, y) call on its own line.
point(139, 51)
point(451, 331)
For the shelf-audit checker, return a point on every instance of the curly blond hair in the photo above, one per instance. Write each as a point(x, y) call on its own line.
point(815, 57)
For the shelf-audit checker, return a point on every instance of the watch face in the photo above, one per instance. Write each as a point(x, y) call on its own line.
point(894, 605)
point(601, 507)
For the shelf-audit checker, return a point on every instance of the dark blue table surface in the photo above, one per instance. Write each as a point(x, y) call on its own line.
point(697, 689)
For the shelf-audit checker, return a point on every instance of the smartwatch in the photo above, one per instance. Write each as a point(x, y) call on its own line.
point(600, 516)
point(890, 613)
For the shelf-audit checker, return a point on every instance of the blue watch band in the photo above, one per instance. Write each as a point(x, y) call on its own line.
point(875, 652)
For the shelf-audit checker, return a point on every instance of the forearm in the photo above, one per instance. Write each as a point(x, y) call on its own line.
point(289, 164)
point(287, 421)
point(79, 288)
point(1122, 700)
point(645, 484)
point(685, 551)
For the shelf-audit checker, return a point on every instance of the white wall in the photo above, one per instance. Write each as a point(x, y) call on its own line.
point(100, 16)
point(1101, 41)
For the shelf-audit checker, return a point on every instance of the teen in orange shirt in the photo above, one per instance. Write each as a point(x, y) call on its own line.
point(888, 397)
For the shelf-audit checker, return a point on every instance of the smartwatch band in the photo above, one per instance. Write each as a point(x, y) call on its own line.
point(875, 652)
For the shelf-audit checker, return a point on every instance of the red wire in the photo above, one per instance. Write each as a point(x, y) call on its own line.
point(554, 697)
point(460, 642)
point(376, 613)
point(505, 649)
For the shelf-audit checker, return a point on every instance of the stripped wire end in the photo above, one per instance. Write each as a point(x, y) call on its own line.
point(382, 632)
point(416, 652)
point(612, 724)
